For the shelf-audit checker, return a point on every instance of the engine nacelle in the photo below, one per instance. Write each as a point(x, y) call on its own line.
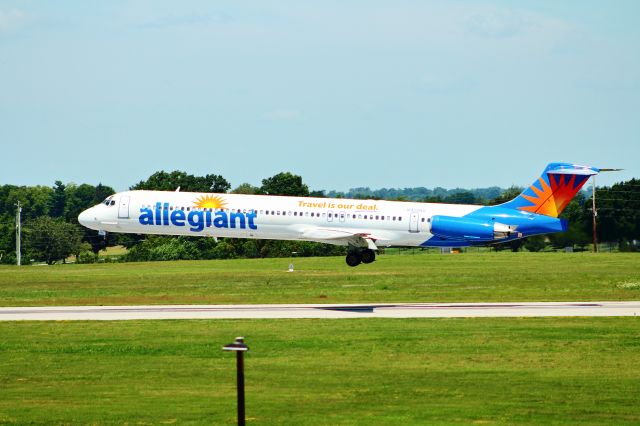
point(466, 228)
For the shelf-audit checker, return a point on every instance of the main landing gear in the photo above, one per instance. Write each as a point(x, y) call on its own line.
point(355, 257)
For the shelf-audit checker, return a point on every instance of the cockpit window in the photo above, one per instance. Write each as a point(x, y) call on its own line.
point(109, 201)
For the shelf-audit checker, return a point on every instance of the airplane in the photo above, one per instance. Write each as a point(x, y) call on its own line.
point(362, 225)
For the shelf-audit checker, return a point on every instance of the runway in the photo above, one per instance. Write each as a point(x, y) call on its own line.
point(372, 310)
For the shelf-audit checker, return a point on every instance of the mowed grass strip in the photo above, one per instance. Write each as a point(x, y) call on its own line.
point(323, 372)
point(398, 278)
point(392, 278)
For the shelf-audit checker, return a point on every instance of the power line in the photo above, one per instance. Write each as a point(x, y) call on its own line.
point(618, 209)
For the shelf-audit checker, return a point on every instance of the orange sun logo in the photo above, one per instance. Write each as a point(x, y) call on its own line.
point(551, 198)
point(209, 202)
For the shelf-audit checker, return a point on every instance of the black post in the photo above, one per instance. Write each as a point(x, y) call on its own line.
point(240, 368)
point(239, 347)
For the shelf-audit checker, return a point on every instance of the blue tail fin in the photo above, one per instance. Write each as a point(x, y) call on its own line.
point(553, 190)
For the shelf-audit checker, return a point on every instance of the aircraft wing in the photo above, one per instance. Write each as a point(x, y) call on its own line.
point(341, 236)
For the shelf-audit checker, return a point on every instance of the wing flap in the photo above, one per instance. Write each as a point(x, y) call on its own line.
point(341, 237)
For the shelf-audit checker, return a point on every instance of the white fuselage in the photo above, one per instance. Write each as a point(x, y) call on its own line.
point(363, 225)
point(371, 223)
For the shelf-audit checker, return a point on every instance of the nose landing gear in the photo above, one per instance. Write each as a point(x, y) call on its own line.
point(355, 257)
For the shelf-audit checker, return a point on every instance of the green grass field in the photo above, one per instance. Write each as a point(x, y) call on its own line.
point(392, 278)
point(324, 372)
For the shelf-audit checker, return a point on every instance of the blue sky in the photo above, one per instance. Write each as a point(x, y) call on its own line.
point(346, 94)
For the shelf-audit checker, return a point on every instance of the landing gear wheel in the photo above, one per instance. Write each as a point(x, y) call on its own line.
point(368, 256)
point(353, 259)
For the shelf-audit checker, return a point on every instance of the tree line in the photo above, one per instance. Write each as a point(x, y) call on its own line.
point(473, 196)
point(51, 232)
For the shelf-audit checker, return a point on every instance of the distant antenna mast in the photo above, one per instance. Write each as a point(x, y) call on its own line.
point(18, 235)
point(594, 213)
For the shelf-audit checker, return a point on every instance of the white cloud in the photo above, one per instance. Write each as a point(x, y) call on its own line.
point(186, 20)
point(491, 22)
point(283, 115)
point(11, 20)
point(501, 23)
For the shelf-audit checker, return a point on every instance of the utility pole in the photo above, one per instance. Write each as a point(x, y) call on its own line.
point(18, 234)
point(594, 213)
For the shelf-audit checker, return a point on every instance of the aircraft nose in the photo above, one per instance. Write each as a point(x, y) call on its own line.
point(87, 218)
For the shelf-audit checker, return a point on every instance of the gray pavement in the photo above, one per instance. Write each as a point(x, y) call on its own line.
point(369, 310)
